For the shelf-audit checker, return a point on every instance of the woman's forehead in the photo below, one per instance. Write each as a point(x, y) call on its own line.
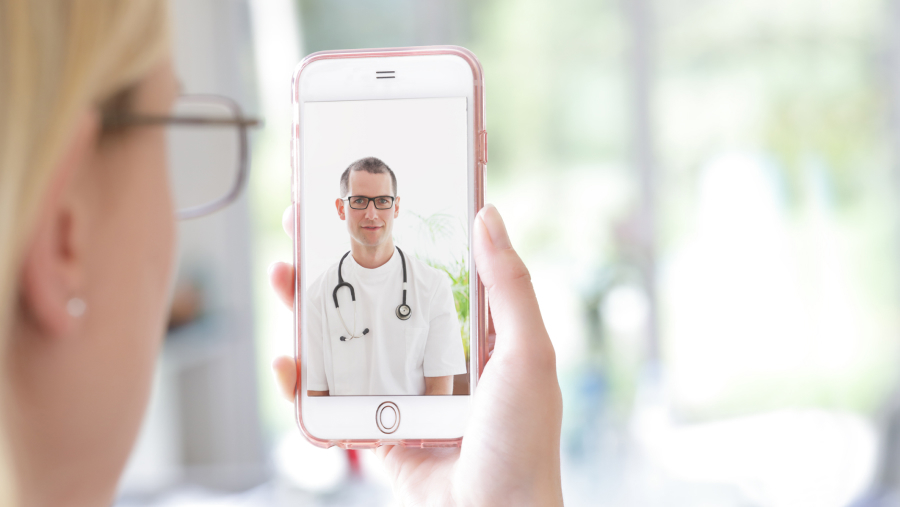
point(161, 85)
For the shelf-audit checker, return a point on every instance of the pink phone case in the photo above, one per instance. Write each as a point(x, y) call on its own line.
point(478, 346)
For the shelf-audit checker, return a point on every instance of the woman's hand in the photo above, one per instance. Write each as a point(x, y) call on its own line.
point(510, 451)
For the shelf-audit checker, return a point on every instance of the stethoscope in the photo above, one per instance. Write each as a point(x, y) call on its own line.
point(403, 311)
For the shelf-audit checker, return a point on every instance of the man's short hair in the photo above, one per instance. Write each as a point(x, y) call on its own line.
point(370, 165)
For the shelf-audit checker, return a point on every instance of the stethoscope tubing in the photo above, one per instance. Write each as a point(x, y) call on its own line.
point(403, 311)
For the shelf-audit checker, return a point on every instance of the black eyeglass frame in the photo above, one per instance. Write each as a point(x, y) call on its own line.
point(115, 120)
point(370, 200)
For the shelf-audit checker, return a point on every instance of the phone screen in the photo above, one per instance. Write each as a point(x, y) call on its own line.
point(385, 230)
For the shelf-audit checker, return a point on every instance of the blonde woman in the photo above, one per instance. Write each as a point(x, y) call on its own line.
point(86, 257)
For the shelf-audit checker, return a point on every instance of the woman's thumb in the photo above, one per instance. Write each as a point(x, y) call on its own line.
point(514, 307)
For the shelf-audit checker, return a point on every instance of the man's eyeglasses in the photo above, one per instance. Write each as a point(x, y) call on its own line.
point(208, 150)
point(362, 202)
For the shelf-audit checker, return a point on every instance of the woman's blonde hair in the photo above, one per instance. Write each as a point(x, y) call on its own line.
point(57, 59)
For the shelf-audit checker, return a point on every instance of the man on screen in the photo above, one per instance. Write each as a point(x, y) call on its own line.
point(379, 321)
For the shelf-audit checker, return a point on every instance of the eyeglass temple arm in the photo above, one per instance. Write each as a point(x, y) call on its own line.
point(136, 119)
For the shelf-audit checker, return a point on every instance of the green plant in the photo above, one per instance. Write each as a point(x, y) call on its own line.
point(438, 227)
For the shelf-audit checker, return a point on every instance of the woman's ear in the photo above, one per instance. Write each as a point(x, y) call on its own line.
point(52, 281)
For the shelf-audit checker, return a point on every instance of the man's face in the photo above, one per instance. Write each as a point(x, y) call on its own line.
point(369, 227)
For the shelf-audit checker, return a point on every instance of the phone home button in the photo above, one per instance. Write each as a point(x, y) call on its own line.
point(387, 417)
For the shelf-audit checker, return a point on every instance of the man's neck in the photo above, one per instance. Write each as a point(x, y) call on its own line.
point(371, 257)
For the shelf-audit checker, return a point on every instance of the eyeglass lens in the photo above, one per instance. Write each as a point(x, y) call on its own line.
point(362, 202)
point(204, 160)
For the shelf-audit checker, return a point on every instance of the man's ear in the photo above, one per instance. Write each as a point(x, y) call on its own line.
point(339, 204)
point(52, 271)
point(396, 206)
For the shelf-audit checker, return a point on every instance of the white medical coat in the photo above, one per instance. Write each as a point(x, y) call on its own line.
point(396, 355)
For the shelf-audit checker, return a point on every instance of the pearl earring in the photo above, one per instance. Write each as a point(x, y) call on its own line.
point(76, 307)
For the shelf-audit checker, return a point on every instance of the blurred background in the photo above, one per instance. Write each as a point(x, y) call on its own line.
point(706, 194)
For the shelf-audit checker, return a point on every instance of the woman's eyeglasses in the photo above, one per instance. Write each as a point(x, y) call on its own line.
point(208, 150)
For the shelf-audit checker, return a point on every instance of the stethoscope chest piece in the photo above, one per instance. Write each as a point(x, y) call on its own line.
point(403, 312)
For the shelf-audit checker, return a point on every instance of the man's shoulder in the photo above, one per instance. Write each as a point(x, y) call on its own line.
point(427, 272)
point(317, 286)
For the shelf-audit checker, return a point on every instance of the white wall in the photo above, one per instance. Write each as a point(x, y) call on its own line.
point(422, 140)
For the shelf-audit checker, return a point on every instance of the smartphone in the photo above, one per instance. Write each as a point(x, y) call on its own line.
point(389, 152)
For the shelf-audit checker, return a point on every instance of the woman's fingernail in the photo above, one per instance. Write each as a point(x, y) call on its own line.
point(495, 226)
point(287, 220)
